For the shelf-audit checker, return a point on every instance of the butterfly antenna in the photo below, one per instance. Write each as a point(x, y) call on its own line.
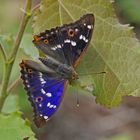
point(83, 74)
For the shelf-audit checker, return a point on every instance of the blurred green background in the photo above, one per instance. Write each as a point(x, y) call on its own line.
point(88, 122)
point(129, 10)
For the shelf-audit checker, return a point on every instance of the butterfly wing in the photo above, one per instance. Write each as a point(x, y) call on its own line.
point(49, 42)
point(69, 42)
point(45, 93)
point(76, 36)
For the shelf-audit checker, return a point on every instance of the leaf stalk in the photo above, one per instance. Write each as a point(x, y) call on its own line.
point(3, 52)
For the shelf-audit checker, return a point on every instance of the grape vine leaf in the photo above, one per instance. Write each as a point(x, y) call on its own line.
point(13, 127)
point(27, 46)
point(113, 48)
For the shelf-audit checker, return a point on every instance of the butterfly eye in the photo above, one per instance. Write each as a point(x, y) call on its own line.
point(39, 99)
point(46, 41)
point(36, 38)
point(71, 32)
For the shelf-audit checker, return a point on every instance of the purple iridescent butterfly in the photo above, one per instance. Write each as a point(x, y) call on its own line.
point(46, 81)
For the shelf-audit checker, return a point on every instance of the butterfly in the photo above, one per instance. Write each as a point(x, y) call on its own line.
point(46, 80)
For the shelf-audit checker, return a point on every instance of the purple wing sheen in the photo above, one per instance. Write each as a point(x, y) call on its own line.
point(44, 93)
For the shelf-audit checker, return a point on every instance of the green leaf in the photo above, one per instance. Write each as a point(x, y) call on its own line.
point(11, 104)
point(16, 68)
point(13, 127)
point(113, 48)
point(27, 46)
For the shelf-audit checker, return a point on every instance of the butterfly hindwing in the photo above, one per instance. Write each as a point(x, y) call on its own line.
point(44, 93)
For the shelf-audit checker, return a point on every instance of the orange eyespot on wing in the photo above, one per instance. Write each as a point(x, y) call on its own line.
point(46, 41)
point(30, 71)
point(71, 33)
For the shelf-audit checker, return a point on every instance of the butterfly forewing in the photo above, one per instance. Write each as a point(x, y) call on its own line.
point(76, 37)
point(68, 42)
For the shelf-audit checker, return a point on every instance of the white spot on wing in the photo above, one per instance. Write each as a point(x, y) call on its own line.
point(54, 106)
point(54, 48)
point(84, 38)
point(28, 86)
point(40, 74)
point(76, 30)
point(89, 26)
point(81, 36)
point(48, 104)
point(67, 41)
point(49, 94)
point(45, 117)
point(41, 78)
point(58, 46)
point(73, 43)
point(26, 81)
point(51, 106)
point(43, 91)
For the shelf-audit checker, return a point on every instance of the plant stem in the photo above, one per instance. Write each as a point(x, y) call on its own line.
point(9, 63)
point(3, 52)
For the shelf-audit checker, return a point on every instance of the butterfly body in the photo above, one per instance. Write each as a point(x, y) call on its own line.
point(63, 70)
point(46, 81)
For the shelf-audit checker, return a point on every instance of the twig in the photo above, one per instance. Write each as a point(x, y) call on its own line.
point(35, 8)
point(9, 63)
point(3, 52)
